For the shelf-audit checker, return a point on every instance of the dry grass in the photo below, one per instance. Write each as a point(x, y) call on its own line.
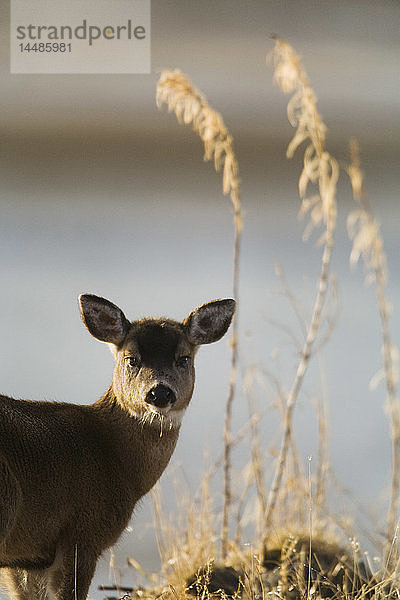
point(322, 170)
point(298, 550)
point(368, 243)
point(191, 107)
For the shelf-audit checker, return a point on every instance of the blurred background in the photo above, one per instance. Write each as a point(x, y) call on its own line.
point(101, 192)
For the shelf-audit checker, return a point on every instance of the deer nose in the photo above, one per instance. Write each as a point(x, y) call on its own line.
point(160, 396)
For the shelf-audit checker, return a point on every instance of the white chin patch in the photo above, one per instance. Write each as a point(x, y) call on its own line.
point(163, 418)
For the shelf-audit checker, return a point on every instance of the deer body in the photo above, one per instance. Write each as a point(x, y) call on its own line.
point(71, 475)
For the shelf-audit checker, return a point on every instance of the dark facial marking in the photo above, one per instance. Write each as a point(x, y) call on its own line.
point(157, 344)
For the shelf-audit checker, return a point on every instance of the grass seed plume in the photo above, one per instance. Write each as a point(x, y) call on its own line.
point(191, 107)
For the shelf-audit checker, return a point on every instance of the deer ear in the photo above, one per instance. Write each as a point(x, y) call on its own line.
point(103, 319)
point(209, 322)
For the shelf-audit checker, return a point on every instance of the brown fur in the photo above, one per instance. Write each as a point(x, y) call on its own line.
point(71, 475)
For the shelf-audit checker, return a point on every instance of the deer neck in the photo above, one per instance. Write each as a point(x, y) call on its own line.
point(142, 448)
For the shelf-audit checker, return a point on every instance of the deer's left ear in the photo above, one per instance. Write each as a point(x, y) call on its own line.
point(209, 322)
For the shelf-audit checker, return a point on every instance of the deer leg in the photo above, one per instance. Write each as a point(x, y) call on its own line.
point(24, 585)
point(14, 582)
point(71, 579)
point(36, 585)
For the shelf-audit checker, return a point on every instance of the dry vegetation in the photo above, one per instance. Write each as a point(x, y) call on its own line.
point(300, 549)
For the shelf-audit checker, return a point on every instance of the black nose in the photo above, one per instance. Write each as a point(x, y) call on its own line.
point(160, 396)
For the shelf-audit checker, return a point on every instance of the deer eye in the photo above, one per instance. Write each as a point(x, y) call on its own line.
point(132, 361)
point(183, 361)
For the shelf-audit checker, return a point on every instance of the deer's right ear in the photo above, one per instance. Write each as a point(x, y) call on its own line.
point(103, 319)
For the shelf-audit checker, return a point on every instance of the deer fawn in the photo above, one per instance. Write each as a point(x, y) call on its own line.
point(71, 475)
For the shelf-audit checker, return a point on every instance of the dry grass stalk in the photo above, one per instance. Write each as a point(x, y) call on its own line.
point(320, 168)
point(323, 457)
point(368, 243)
point(191, 107)
point(256, 458)
point(320, 403)
point(242, 505)
point(310, 526)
